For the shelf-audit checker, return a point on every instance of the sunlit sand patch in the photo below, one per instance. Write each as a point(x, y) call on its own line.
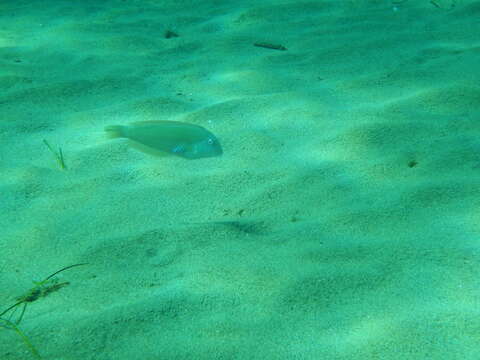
point(6, 39)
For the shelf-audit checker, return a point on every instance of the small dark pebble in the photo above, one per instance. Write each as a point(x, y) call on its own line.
point(170, 34)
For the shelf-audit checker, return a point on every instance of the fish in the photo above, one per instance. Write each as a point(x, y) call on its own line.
point(161, 137)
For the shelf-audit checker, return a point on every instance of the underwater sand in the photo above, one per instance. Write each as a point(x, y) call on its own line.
point(341, 222)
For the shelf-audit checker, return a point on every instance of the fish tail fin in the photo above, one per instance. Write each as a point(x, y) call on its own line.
point(115, 131)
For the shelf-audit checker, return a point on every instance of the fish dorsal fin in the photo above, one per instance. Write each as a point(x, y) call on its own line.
point(168, 123)
point(151, 122)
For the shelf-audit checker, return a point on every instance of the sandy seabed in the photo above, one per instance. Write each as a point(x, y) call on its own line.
point(341, 222)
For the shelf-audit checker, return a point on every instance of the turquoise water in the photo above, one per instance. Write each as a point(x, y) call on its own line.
point(340, 222)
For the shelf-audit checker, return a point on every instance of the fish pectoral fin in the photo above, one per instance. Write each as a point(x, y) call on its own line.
point(179, 149)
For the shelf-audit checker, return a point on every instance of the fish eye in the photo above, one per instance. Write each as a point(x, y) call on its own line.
point(210, 141)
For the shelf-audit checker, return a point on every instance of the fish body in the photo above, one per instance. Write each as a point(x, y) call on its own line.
point(174, 137)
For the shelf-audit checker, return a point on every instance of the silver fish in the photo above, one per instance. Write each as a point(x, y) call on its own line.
point(161, 137)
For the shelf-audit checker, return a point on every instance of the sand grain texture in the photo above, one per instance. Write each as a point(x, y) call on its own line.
point(340, 223)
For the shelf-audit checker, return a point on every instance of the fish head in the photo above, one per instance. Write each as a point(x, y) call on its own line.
point(208, 147)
